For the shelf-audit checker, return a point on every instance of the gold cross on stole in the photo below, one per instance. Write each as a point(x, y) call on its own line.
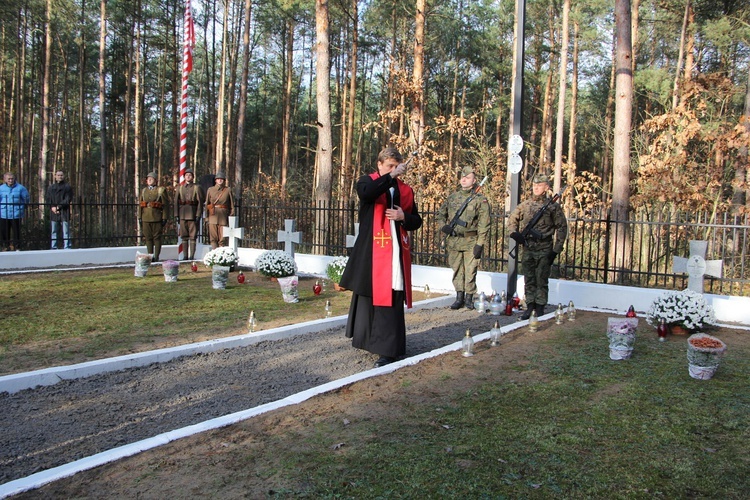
point(382, 238)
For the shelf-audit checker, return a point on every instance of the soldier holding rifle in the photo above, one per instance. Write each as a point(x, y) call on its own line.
point(539, 225)
point(466, 218)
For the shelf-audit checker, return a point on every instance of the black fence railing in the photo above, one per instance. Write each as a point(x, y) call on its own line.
point(651, 240)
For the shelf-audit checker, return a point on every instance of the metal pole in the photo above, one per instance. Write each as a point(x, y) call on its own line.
point(515, 129)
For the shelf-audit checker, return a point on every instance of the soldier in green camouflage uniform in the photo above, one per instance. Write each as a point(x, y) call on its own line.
point(466, 244)
point(539, 254)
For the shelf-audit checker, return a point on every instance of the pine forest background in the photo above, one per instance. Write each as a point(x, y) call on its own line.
point(93, 88)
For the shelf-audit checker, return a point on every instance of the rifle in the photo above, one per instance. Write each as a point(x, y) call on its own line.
point(449, 228)
point(529, 233)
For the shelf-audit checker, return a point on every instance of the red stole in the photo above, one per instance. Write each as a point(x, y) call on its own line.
point(382, 249)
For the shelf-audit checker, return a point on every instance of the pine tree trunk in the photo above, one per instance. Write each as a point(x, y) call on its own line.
point(246, 53)
point(324, 154)
point(102, 111)
point(619, 248)
point(44, 132)
point(417, 106)
point(560, 126)
point(571, 171)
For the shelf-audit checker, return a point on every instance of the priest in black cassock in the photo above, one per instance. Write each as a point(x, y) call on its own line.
point(379, 268)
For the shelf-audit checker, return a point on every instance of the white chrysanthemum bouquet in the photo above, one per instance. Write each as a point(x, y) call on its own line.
point(221, 256)
point(276, 264)
point(687, 308)
point(335, 269)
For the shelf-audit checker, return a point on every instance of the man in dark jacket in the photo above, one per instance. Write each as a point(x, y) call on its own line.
point(58, 198)
point(379, 269)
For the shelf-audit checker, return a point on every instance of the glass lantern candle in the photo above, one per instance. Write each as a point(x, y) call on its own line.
point(467, 345)
point(480, 305)
point(533, 322)
point(559, 315)
point(661, 330)
point(328, 309)
point(571, 312)
point(495, 334)
point(497, 306)
point(252, 323)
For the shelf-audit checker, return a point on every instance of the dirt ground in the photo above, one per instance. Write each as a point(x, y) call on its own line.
point(238, 461)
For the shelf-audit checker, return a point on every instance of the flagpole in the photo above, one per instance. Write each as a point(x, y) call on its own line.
point(187, 66)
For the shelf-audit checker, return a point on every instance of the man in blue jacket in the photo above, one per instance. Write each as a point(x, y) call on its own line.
point(13, 200)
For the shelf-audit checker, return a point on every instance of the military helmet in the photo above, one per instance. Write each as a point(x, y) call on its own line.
point(467, 170)
point(541, 178)
point(189, 171)
point(152, 174)
point(220, 175)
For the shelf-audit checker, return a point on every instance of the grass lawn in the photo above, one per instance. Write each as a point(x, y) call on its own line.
point(545, 415)
point(66, 317)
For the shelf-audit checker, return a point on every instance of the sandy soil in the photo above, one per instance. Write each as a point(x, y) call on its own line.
point(236, 456)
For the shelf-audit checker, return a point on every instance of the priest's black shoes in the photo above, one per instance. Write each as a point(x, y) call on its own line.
point(384, 360)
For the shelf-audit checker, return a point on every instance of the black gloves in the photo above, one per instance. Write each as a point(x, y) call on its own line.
point(551, 255)
point(447, 229)
point(478, 249)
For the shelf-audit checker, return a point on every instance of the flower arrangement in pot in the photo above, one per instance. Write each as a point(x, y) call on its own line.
point(335, 270)
point(621, 335)
point(280, 265)
point(221, 256)
point(276, 264)
point(703, 354)
point(685, 309)
point(220, 260)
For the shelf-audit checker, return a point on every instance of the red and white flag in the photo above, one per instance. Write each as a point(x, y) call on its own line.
point(187, 67)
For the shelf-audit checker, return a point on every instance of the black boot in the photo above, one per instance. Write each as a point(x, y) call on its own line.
point(529, 307)
point(459, 303)
point(469, 301)
point(540, 310)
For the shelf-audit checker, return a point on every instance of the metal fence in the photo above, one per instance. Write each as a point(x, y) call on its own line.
point(652, 240)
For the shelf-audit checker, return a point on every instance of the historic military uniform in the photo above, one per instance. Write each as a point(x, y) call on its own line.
point(188, 208)
point(219, 206)
point(466, 243)
point(538, 254)
point(152, 212)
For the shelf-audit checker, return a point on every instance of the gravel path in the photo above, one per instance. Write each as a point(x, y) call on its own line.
point(50, 426)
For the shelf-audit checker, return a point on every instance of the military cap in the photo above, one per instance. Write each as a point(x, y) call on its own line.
point(467, 170)
point(220, 175)
point(189, 171)
point(152, 174)
point(541, 178)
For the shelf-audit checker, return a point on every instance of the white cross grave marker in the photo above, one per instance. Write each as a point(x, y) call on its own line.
point(696, 266)
point(289, 236)
point(233, 232)
point(352, 239)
